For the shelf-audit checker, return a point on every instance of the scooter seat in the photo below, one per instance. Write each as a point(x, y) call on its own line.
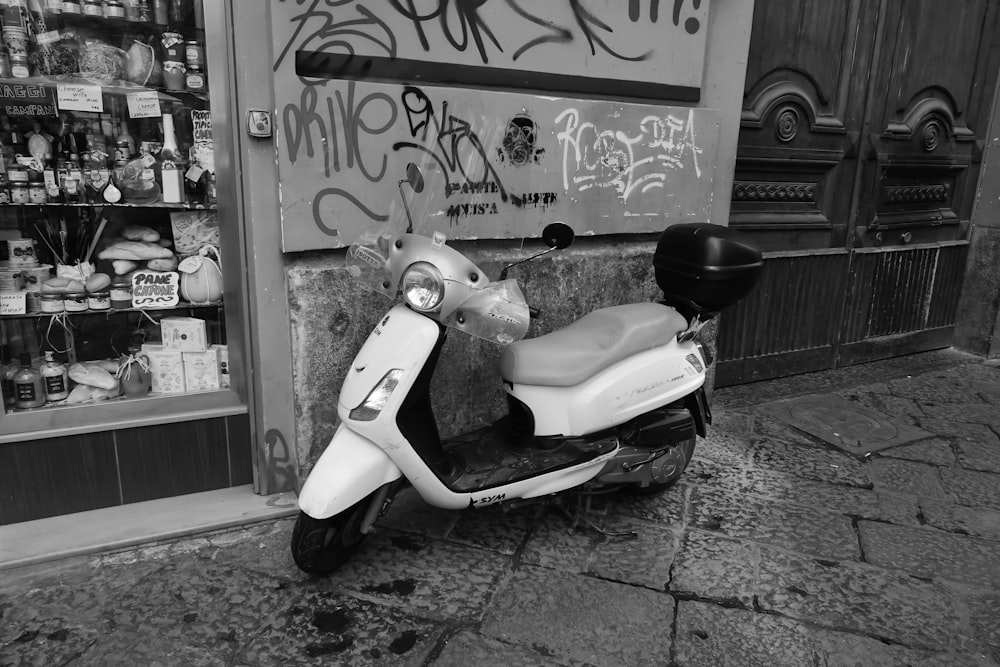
point(570, 355)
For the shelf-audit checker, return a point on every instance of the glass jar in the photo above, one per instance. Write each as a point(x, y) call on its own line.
point(195, 79)
point(17, 173)
point(114, 9)
point(93, 8)
point(52, 303)
point(71, 7)
point(121, 292)
point(75, 302)
point(174, 75)
point(99, 300)
point(37, 193)
point(194, 54)
point(19, 193)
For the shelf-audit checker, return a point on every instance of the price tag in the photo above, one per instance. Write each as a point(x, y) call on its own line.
point(79, 98)
point(143, 104)
point(13, 303)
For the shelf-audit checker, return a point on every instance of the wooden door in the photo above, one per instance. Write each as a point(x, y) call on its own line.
point(856, 172)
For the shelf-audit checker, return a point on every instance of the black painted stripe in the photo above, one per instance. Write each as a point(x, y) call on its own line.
point(316, 64)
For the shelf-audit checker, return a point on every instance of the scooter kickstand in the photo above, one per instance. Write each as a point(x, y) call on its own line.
point(579, 516)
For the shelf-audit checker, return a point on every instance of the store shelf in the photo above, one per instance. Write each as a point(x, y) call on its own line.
point(120, 413)
point(175, 207)
point(113, 311)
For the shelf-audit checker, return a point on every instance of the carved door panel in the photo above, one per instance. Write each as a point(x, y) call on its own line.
point(857, 167)
point(803, 112)
point(932, 86)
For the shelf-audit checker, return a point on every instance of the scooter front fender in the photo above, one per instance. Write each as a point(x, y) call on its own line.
point(351, 467)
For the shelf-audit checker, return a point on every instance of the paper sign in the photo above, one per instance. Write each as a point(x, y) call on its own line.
point(12, 303)
point(79, 98)
point(25, 99)
point(144, 104)
point(155, 289)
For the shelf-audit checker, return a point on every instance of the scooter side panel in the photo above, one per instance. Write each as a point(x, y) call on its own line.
point(617, 394)
point(405, 340)
point(349, 469)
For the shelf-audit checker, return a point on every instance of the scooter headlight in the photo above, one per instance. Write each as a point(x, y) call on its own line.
point(423, 287)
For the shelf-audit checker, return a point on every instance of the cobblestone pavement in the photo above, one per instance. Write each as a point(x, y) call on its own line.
point(776, 549)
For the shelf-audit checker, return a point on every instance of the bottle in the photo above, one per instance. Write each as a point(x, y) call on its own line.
point(8, 369)
point(161, 12)
point(55, 378)
point(125, 145)
point(171, 164)
point(15, 37)
point(195, 181)
point(29, 389)
point(211, 199)
point(96, 175)
point(50, 179)
point(96, 143)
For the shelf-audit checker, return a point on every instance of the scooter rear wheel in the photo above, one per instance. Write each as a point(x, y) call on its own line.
point(680, 458)
point(321, 546)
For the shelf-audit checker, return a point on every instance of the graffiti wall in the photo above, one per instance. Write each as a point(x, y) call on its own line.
point(365, 88)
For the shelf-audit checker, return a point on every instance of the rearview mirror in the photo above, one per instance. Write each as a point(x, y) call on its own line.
point(558, 235)
point(415, 178)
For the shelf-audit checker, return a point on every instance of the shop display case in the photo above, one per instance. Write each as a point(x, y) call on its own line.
point(115, 292)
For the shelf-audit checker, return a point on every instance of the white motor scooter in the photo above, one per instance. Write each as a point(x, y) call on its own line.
point(615, 399)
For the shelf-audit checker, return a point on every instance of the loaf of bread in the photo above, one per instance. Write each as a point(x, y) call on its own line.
point(141, 233)
point(92, 375)
point(164, 264)
point(82, 393)
point(123, 266)
point(134, 250)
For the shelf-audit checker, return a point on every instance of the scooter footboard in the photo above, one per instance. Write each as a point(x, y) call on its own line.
point(351, 467)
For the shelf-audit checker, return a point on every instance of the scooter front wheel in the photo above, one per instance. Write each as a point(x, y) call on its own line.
point(321, 546)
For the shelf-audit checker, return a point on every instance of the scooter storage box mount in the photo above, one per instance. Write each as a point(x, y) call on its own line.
point(705, 267)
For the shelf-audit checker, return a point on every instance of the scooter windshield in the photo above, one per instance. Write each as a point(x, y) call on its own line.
point(468, 301)
point(497, 313)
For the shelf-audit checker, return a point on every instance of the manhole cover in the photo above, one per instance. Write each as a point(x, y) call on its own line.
point(844, 424)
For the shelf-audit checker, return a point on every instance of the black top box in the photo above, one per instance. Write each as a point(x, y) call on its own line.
point(705, 267)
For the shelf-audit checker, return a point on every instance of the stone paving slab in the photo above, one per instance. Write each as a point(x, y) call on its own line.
point(845, 424)
point(643, 560)
point(972, 488)
point(713, 567)
point(811, 462)
point(323, 628)
point(962, 520)
point(864, 503)
point(802, 529)
point(928, 552)
point(962, 412)
point(937, 452)
point(492, 529)
point(469, 648)
point(434, 579)
point(985, 610)
point(554, 544)
point(910, 477)
point(982, 455)
point(861, 598)
point(712, 636)
point(581, 618)
point(668, 509)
